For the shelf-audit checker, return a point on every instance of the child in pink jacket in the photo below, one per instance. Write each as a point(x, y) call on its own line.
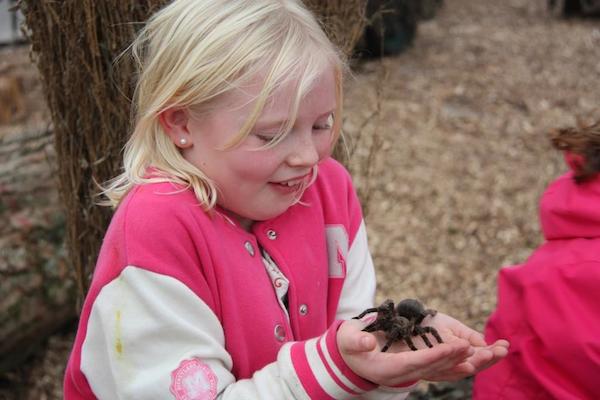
point(549, 306)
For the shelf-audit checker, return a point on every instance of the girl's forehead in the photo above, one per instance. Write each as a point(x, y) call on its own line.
point(319, 94)
point(318, 97)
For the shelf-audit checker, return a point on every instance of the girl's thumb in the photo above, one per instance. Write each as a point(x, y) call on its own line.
point(361, 343)
point(352, 340)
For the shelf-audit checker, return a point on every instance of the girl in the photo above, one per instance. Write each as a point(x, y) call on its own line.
point(238, 247)
point(548, 306)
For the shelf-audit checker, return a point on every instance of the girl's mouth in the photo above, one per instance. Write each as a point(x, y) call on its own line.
point(292, 185)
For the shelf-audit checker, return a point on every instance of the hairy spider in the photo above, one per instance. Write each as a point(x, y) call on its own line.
point(402, 322)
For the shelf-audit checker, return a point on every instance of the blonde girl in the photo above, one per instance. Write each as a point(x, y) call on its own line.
point(238, 251)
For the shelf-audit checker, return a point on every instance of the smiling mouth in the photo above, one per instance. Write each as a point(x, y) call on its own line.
point(292, 184)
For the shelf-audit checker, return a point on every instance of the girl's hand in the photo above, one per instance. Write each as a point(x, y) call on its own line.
point(483, 356)
point(463, 353)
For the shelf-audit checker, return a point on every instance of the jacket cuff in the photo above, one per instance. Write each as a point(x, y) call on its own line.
point(322, 371)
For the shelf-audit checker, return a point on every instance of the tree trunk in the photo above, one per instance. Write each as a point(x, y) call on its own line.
point(74, 44)
point(36, 286)
point(89, 108)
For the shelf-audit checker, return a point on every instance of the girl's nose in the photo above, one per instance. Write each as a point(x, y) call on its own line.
point(303, 152)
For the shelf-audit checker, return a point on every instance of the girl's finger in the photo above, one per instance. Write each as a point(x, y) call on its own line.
point(482, 358)
point(476, 339)
point(502, 343)
point(498, 353)
point(439, 357)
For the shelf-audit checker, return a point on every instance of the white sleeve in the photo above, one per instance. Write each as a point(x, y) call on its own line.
point(149, 336)
point(358, 291)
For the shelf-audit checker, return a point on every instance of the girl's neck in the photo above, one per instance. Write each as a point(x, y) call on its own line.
point(244, 223)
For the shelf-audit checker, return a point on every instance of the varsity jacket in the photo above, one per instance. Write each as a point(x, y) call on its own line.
point(548, 306)
point(182, 306)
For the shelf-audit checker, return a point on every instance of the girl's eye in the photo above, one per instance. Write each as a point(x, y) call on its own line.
point(325, 125)
point(322, 127)
point(266, 137)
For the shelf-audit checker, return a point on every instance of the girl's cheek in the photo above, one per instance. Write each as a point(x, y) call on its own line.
point(325, 148)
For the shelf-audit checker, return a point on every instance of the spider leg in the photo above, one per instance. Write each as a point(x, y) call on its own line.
point(434, 332)
point(392, 336)
point(431, 312)
point(372, 327)
point(387, 305)
point(427, 342)
point(367, 311)
point(421, 331)
point(410, 343)
point(388, 344)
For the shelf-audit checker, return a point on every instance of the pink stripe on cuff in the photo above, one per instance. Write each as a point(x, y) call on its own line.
point(335, 378)
point(334, 352)
point(305, 374)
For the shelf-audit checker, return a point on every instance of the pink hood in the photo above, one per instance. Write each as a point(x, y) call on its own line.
point(569, 211)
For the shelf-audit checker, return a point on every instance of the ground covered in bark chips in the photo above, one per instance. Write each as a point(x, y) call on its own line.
point(459, 126)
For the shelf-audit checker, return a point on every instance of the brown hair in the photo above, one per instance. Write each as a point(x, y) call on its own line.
point(583, 141)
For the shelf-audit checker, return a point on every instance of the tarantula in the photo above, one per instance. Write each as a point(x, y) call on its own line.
point(402, 322)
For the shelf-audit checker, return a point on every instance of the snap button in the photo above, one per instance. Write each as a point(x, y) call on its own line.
point(271, 234)
point(249, 248)
point(279, 333)
point(303, 309)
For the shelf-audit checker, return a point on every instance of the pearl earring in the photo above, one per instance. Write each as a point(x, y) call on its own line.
point(183, 141)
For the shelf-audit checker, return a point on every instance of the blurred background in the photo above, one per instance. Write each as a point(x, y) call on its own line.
point(447, 114)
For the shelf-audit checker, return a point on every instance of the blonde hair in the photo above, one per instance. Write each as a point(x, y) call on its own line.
point(192, 52)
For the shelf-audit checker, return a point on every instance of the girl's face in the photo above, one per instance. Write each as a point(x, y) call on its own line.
point(257, 183)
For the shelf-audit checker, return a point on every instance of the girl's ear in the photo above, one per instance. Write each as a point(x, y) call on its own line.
point(174, 122)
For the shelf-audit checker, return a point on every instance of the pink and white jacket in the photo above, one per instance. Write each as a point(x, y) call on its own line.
point(181, 305)
point(548, 307)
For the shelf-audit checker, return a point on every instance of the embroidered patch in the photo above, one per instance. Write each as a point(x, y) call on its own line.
point(193, 380)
